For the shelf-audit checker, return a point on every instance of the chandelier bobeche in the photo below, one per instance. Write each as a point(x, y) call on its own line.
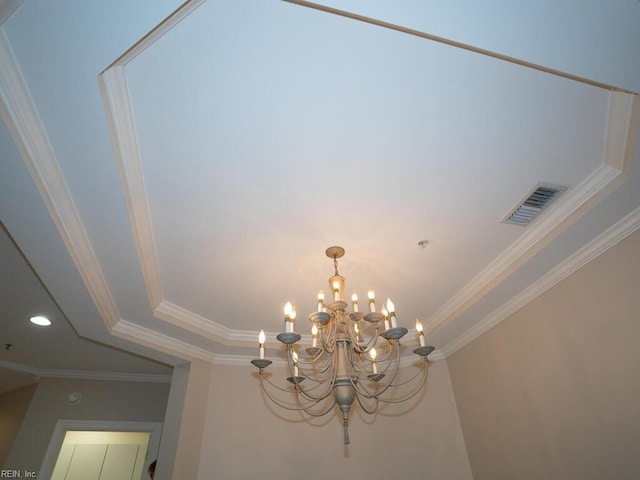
point(353, 356)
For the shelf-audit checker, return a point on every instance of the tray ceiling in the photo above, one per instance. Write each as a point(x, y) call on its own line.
point(196, 176)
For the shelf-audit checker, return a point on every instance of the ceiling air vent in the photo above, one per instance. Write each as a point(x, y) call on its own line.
point(529, 208)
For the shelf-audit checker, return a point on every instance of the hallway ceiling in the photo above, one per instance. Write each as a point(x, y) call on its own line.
point(172, 174)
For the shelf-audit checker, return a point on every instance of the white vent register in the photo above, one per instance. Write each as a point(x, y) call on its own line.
point(529, 208)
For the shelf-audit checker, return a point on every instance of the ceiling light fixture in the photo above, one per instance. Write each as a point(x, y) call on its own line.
point(39, 320)
point(350, 357)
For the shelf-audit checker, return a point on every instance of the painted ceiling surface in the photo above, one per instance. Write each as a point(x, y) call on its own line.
point(172, 174)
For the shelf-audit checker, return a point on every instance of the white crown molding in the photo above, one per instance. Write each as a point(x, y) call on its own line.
point(86, 374)
point(104, 376)
point(25, 126)
point(7, 7)
point(620, 135)
point(21, 117)
point(154, 35)
point(19, 367)
point(453, 43)
point(117, 105)
point(161, 342)
point(593, 249)
point(183, 318)
point(121, 123)
point(623, 119)
point(622, 126)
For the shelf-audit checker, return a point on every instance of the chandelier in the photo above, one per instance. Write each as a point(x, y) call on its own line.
point(353, 356)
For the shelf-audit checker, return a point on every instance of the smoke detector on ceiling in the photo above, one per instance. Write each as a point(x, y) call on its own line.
point(533, 204)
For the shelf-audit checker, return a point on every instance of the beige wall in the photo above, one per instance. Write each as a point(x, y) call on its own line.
point(553, 392)
point(13, 407)
point(101, 400)
point(244, 438)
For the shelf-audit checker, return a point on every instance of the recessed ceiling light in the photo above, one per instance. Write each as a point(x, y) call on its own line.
point(42, 321)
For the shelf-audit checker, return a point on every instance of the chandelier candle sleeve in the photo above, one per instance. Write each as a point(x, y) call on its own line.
point(292, 318)
point(420, 333)
point(354, 299)
point(373, 355)
point(385, 314)
point(372, 301)
point(294, 355)
point(320, 300)
point(261, 339)
point(336, 291)
point(392, 313)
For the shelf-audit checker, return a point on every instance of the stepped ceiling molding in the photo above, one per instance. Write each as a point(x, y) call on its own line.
point(174, 174)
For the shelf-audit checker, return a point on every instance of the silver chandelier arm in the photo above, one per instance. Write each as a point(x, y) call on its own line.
point(320, 362)
point(306, 392)
point(368, 410)
point(308, 411)
point(327, 336)
point(384, 348)
point(359, 346)
point(410, 380)
point(277, 401)
point(425, 372)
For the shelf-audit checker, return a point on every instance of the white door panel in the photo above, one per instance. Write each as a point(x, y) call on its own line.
point(101, 456)
point(86, 462)
point(120, 462)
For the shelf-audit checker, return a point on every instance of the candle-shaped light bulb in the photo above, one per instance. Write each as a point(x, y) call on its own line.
point(420, 333)
point(336, 290)
point(372, 301)
point(390, 306)
point(287, 317)
point(314, 336)
point(354, 299)
point(373, 356)
point(320, 300)
point(392, 313)
point(385, 314)
point(261, 339)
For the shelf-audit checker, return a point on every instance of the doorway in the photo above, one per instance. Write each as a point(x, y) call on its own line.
point(95, 450)
point(101, 456)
